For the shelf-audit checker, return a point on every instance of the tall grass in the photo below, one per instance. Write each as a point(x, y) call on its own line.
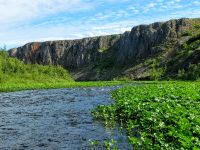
point(16, 74)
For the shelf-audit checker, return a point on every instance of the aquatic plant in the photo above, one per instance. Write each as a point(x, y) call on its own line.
point(157, 116)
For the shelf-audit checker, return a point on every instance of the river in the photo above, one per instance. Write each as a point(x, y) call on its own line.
point(56, 119)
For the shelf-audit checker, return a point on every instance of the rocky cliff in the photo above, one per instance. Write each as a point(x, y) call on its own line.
point(106, 57)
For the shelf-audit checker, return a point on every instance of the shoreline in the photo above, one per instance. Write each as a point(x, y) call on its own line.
point(7, 87)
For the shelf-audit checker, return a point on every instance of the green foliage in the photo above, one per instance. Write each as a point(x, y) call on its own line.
point(110, 145)
point(107, 144)
point(157, 116)
point(194, 40)
point(194, 28)
point(31, 85)
point(189, 49)
point(14, 70)
point(156, 73)
point(103, 49)
point(181, 74)
point(187, 33)
point(193, 72)
point(188, 54)
point(93, 142)
point(197, 26)
point(14, 74)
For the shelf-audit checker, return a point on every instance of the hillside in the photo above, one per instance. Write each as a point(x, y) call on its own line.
point(160, 50)
point(15, 72)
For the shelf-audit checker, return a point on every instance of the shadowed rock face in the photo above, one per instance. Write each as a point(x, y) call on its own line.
point(71, 54)
point(141, 42)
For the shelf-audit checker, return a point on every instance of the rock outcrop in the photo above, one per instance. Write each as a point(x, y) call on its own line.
point(84, 56)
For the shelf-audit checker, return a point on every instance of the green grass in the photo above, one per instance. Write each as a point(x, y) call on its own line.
point(15, 76)
point(14, 70)
point(11, 87)
point(157, 116)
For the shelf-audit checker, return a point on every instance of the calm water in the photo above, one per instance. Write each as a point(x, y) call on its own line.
point(57, 119)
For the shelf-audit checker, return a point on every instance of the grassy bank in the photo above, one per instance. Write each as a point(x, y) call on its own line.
point(15, 76)
point(10, 87)
point(157, 116)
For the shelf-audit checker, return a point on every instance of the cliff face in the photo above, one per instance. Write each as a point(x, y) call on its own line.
point(83, 57)
point(71, 54)
point(143, 40)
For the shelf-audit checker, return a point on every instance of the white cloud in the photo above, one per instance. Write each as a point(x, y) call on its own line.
point(149, 6)
point(197, 3)
point(23, 10)
point(63, 31)
point(17, 17)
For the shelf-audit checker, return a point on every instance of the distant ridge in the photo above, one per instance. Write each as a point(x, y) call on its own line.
point(114, 56)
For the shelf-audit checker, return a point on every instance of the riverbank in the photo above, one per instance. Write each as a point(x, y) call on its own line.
point(15, 75)
point(157, 116)
point(11, 87)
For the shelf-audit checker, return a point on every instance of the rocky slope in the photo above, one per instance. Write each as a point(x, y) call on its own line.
point(113, 56)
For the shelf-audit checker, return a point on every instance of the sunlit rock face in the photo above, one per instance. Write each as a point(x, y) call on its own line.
point(83, 55)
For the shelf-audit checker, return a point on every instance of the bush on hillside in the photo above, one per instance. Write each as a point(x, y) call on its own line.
point(11, 68)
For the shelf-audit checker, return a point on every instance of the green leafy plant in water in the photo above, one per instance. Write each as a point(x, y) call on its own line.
point(110, 145)
point(107, 144)
point(161, 116)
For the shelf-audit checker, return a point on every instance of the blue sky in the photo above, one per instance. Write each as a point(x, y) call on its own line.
point(25, 21)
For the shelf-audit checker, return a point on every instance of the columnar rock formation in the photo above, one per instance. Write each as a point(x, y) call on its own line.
point(85, 54)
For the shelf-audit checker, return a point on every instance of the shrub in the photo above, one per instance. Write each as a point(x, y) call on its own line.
point(156, 72)
point(11, 69)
